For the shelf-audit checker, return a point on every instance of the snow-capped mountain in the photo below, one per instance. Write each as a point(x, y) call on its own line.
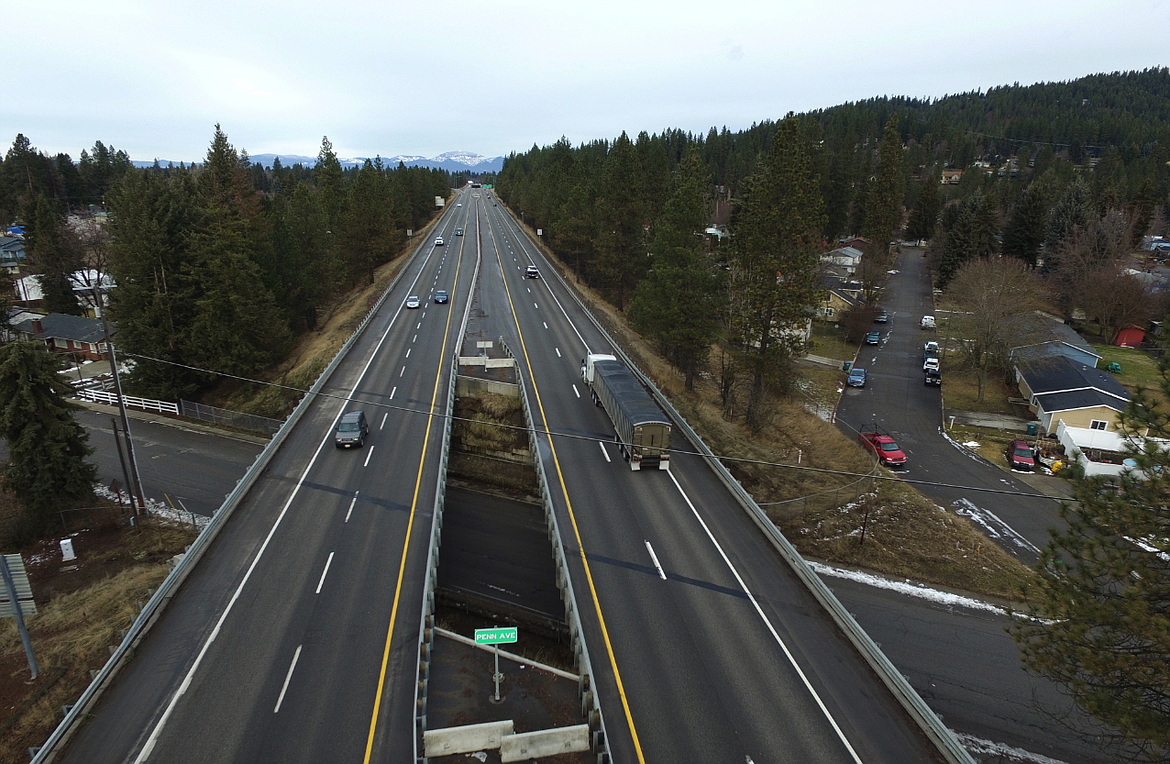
point(451, 161)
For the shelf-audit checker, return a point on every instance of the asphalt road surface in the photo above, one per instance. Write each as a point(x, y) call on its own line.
point(896, 400)
point(704, 645)
point(296, 637)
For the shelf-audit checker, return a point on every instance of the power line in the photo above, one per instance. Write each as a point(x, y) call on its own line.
point(574, 436)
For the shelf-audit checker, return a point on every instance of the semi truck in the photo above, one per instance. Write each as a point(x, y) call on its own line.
point(642, 430)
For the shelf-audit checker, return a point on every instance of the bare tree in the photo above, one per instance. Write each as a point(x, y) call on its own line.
point(989, 292)
point(1114, 299)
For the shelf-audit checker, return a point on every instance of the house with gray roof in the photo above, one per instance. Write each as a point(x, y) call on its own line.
point(12, 255)
point(1038, 335)
point(77, 335)
point(1059, 389)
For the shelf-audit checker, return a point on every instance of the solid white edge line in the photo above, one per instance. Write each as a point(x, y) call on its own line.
point(152, 740)
point(760, 611)
point(325, 572)
point(288, 678)
point(603, 451)
point(368, 455)
point(654, 557)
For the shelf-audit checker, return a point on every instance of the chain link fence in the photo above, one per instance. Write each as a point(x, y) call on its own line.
point(236, 419)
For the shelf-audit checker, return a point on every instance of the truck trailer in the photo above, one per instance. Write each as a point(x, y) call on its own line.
point(643, 431)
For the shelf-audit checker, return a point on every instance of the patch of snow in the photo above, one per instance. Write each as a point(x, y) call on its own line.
point(995, 527)
point(153, 507)
point(907, 588)
point(894, 272)
point(971, 444)
point(981, 747)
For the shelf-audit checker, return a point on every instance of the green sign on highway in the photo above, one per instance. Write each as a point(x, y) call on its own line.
point(496, 636)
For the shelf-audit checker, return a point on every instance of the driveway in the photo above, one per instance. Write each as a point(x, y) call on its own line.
point(896, 399)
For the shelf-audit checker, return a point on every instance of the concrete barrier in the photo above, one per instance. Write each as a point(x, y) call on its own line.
point(533, 745)
point(466, 739)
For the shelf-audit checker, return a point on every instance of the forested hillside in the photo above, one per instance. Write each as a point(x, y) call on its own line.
point(1066, 176)
point(220, 265)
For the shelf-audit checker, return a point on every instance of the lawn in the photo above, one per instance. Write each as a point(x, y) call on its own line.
point(961, 392)
point(1137, 368)
point(830, 342)
point(992, 443)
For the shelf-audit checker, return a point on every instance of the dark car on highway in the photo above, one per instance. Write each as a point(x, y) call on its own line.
point(1019, 455)
point(441, 296)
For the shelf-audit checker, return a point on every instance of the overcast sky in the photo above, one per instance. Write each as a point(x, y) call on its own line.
point(152, 77)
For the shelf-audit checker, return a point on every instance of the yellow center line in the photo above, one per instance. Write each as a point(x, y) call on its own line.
point(572, 517)
point(410, 522)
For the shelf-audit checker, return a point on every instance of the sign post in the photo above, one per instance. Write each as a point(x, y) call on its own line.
point(497, 636)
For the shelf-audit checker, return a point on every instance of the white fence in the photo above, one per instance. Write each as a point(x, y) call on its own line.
point(147, 404)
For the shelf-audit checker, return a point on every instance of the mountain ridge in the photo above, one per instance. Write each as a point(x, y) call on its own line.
point(451, 161)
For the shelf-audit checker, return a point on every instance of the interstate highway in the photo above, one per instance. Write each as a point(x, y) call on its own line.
point(704, 644)
point(295, 638)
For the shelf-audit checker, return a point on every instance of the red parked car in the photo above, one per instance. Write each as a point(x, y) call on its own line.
point(1019, 455)
point(883, 446)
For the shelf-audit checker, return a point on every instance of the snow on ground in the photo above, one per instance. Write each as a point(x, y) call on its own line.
point(153, 507)
point(980, 747)
point(908, 588)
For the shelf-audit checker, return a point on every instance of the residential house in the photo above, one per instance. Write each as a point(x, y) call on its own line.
point(1058, 389)
point(76, 335)
point(951, 177)
point(29, 294)
point(1038, 335)
point(841, 294)
point(857, 242)
point(12, 255)
point(848, 258)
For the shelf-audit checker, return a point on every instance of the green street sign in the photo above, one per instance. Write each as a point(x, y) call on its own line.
point(496, 636)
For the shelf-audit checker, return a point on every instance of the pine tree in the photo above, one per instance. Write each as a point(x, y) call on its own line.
point(883, 206)
point(53, 259)
point(776, 240)
point(150, 222)
point(621, 238)
point(927, 207)
point(679, 302)
point(47, 469)
point(368, 234)
point(1100, 621)
point(1028, 225)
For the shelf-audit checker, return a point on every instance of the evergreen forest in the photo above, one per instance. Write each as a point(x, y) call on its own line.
point(220, 265)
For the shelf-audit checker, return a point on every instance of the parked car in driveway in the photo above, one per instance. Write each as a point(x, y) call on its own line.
point(883, 446)
point(856, 377)
point(1019, 455)
point(873, 338)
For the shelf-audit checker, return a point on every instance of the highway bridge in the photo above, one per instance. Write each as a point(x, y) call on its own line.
point(296, 637)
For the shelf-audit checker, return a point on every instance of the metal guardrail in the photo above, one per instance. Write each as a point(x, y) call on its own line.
point(589, 698)
point(166, 591)
point(426, 629)
point(927, 720)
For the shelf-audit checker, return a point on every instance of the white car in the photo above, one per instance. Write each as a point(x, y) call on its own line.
point(439, 242)
point(413, 301)
point(927, 322)
point(930, 364)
